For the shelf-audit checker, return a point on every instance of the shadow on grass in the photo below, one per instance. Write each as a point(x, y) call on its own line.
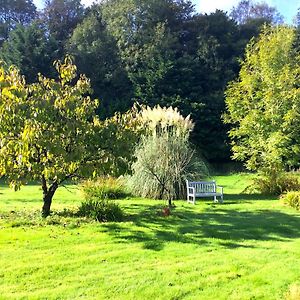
point(247, 197)
point(230, 228)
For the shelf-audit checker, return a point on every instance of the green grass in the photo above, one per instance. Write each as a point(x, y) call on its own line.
point(246, 248)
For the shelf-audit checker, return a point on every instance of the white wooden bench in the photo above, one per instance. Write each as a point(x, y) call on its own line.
point(200, 189)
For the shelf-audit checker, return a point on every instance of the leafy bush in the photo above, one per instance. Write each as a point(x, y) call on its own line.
point(276, 185)
point(101, 210)
point(292, 199)
point(103, 188)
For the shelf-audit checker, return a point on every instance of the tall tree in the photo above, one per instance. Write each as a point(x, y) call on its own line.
point(131, 42)
point(163, 53)
point(263, 105)
point(251, 17)
point(31, 50)
point(49, 132)
point(13, 12)
point(96, 54)
point(216, 64)
point(248, 10)
point(194, 58)
point(144, 42)
point(297, 18)
point(61, 18)
point(206, 59)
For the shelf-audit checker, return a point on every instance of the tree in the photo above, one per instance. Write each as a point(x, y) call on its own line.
point(263, 104)
point(251, 16)
point(130, 48)
point(248, 10)
point(177, 58)
point(29, 49)
point(13, 12)
point(143, 42)
point(296, 19)
point(49, 132)
point(96, 55)
point(61, 18)
point(215, 64)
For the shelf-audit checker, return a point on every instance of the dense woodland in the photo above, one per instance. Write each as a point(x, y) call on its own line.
point(147, 51)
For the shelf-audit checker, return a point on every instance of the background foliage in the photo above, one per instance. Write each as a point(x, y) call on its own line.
point(153, 52)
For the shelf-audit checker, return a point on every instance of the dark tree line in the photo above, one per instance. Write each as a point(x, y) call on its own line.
point(150, 51)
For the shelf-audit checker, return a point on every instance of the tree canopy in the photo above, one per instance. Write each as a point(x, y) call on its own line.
point(49, 131)
point(29, 49)
point(13, 12)
point(248, 10)
point(263, 104)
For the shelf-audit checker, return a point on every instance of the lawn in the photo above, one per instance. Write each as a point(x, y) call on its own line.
point(246, 248)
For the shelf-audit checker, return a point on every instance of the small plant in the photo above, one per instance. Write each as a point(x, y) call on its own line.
point(292, 199)
point(103, 188)
point(101, 210)
point(276, 185)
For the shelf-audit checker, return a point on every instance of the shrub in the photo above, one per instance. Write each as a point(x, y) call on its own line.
point(163, 164)
point(101, 210)
point(276, 185)
point(103, 188)
point(164, 157)
point(292, 199)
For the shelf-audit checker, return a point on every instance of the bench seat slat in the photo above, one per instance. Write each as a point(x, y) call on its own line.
point(207, 194)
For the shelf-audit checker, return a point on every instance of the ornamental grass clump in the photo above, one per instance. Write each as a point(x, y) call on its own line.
point(162, 120)
point(98, 195)
point(105, 187)
point(101, 210)
point(164, 157)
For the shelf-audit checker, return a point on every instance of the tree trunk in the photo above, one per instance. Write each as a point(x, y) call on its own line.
point(47, 197)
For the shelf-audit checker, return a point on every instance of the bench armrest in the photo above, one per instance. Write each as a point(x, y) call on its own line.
point(191, 190)
point(220, 188)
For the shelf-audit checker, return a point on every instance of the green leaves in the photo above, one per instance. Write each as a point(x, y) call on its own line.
point(50, 130)
point(31, 50)
point(263, 104)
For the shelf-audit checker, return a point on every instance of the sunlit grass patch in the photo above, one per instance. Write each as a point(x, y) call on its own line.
point(246, 248)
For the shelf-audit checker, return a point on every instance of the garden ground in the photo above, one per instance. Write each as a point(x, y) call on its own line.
point(246, 248)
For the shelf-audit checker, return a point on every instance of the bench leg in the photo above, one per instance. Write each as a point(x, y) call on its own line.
point(221, 201)
point(191, 198)
point(218, 201)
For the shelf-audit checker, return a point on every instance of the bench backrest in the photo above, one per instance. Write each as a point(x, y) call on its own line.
point(202, 186)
